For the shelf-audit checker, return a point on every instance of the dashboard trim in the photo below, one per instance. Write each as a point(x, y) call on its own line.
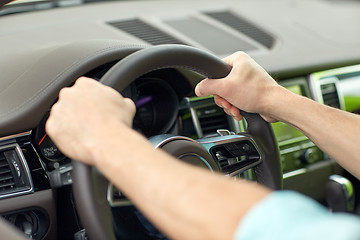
point(14, 136)
point(25, 169)
point(329, 76)
point(294, 173)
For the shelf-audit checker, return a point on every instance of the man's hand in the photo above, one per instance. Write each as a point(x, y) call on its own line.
point(85, 115)
point(248, 87)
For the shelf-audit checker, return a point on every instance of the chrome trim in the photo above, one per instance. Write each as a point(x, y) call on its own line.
point(345, 183)
point(117, 203)
point(224, 132)
point(25, 168)
point(336, 71)
point(169, 138)
point(297, 148)
point(196, 122)
point(224, 139)
point(15, 136)
point(293, 141)
point(237, 126)
point(294, 173)
point(314, 88)
point(43, 165)
point(316, 78)
point(233, 174)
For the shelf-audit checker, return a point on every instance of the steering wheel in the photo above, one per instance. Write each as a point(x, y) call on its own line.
point(90, 187)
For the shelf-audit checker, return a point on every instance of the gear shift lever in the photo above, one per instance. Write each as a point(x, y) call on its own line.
point(340, 195)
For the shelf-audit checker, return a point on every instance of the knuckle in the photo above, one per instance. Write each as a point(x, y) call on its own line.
point(131, 106)
point(49, 126)
point(64, 93)
point(82, 80)
point(199, 90)
point(240, 55)
point(242, 59)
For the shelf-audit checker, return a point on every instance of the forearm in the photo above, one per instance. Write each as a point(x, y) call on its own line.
point(175, 196)
point(334, 131)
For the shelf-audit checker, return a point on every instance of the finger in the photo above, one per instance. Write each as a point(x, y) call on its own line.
point(64, 93)
point(227, 111)
point(233, 58)
point(208, 87)
point(238, 118)
point(130, 105)
point(85, 80)
point(235, 112)
point(221, 102)
point(218, 101)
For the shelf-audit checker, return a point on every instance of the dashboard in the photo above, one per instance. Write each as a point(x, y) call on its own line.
point(309, 47)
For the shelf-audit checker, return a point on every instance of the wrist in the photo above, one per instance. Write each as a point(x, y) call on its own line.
point(283, 105)
point(118, 146)
point(109, 142)
point(273, 102)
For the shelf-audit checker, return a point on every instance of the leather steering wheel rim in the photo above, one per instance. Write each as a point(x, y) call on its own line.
point(90, 186)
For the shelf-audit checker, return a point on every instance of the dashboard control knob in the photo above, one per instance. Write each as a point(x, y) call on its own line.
point(308, 156)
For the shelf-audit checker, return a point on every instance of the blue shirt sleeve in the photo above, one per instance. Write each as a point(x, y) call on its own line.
point(289, 215)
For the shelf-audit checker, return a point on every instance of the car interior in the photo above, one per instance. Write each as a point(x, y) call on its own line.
point(155, 52)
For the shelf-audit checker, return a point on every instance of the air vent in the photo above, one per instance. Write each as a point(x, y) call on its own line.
point(223, 161)
point(145, 32)
point(209, 125)
point(211, 119)
point(201, 118)
point(14, 173)
point(244, 26)
point(7, 181)
point(330, 95)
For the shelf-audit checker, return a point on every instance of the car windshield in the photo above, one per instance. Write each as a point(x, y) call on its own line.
point(18, 6)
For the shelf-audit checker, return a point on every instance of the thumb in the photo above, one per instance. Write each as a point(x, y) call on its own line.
point(207, 87)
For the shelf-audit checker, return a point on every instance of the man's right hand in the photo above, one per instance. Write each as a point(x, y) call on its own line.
point(248, 87)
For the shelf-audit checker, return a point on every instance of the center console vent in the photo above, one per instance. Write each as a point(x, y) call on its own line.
point(7, 181)
point(211, 119)
point(330, 93)
point(14, 173)
point(201, 118)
